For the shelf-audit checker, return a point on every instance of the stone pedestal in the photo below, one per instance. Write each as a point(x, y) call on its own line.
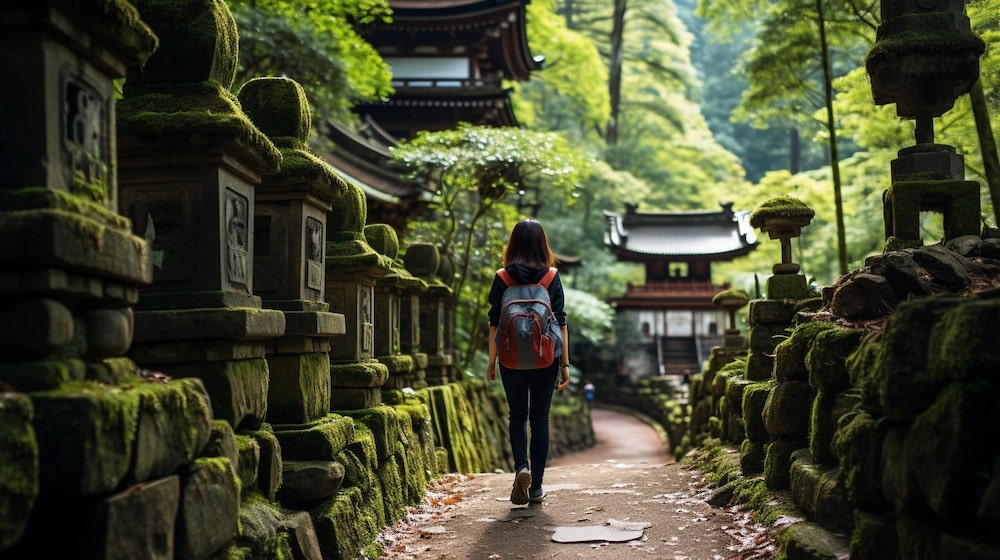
point(190, 163)
point(423, 261)
point(290, 258)
point(79, 421)
point(352, 267)
point(390, 291)
point(929, 178)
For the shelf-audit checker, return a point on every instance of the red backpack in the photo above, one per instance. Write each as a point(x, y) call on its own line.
point(528, 336)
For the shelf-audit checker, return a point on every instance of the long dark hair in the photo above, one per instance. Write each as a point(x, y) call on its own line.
point(528, 246)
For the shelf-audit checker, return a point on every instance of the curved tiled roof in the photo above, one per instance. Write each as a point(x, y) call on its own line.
point(643, 236)
point(508, 44)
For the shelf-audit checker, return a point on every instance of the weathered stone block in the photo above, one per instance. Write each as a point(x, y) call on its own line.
point(771, 312)
point(269, 468)
point(342, 525)
point(754, 400)
point(905, 385)
point(209, 512)
point(962, 343)
point(384, 425)
point(949, 444)
point(299, 387)
point(302, 536)
point(304, 481)
point(787, 286)
point(788, 409)
point(85, 433)
point(137, 523)
point(321, 439)
point(778, 461)
point(174, 424)
point(858, 447)
point(248, 463)
point(238, 389)
point(355, 398)
point(827, 358)
point(221, 442)
point(18, 466)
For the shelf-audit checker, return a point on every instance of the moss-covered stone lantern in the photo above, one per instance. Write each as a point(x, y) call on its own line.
point(783, 218)
point(925, 55)
point(732, 301)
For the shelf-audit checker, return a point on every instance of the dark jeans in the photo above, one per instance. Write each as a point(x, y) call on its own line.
point(529, 396)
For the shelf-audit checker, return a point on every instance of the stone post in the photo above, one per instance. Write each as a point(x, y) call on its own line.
point(925, 55)
point(770, 318)
point(79, 421)
point(291, 207)
point(190, 163)
point(390, 291)
point(409, 332)
point(423, 261)
point(352, 267)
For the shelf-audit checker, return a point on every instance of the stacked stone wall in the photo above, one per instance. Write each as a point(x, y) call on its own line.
point(880, 431)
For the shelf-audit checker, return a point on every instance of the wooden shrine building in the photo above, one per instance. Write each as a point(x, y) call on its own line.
point(673, 311)
point(450, 60)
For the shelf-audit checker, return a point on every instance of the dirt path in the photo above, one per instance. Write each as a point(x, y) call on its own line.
point(620, 437)
point(624, 498)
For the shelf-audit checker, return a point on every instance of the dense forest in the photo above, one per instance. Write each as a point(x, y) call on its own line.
point(667, 104)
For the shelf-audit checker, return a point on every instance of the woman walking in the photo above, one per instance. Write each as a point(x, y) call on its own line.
point(527, 259)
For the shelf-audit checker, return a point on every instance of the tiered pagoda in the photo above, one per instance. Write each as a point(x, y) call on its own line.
point(450, 60)
point(673, 311)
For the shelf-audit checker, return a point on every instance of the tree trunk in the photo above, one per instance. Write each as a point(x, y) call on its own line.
point(615, 71)
point(832, 128)
point(987, 146)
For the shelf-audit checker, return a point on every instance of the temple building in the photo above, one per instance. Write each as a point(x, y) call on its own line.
point(451, 62)
point(677, 322)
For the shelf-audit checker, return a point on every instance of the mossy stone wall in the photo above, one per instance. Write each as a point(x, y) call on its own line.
point(884, 438)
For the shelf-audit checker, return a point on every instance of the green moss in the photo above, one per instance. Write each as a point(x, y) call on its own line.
point(173, 114)
point(42, 198)
point(278, 106)
point(731, 298)
point(119, 25)
point(261, 529)
point(933, 33)
point(783, 208)
point(345, 525)
point(790, 354)
point(248, 453)
point(359, 374)
point(19, 485)
point(199, 41)
point(300, 166)
point(961, 342)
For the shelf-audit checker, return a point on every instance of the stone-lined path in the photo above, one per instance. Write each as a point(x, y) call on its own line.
point(627, 481)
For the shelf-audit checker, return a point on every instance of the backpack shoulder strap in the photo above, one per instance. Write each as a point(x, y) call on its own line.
point(505, 276)
point(547, 279)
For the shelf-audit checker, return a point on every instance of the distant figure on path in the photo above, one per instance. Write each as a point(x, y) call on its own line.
point(588, 394)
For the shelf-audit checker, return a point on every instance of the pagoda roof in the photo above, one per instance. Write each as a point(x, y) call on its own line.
point(362, 157)
point(461, 22)
point(680, 236)
point(413, 109)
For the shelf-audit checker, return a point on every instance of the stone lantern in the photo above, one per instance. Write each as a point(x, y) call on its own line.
point(732, 301)
point(925, 56)
point(783, 218)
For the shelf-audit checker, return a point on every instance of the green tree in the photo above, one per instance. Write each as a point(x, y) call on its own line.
point(800, 49)
point(476, 171)
point(314, 42)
